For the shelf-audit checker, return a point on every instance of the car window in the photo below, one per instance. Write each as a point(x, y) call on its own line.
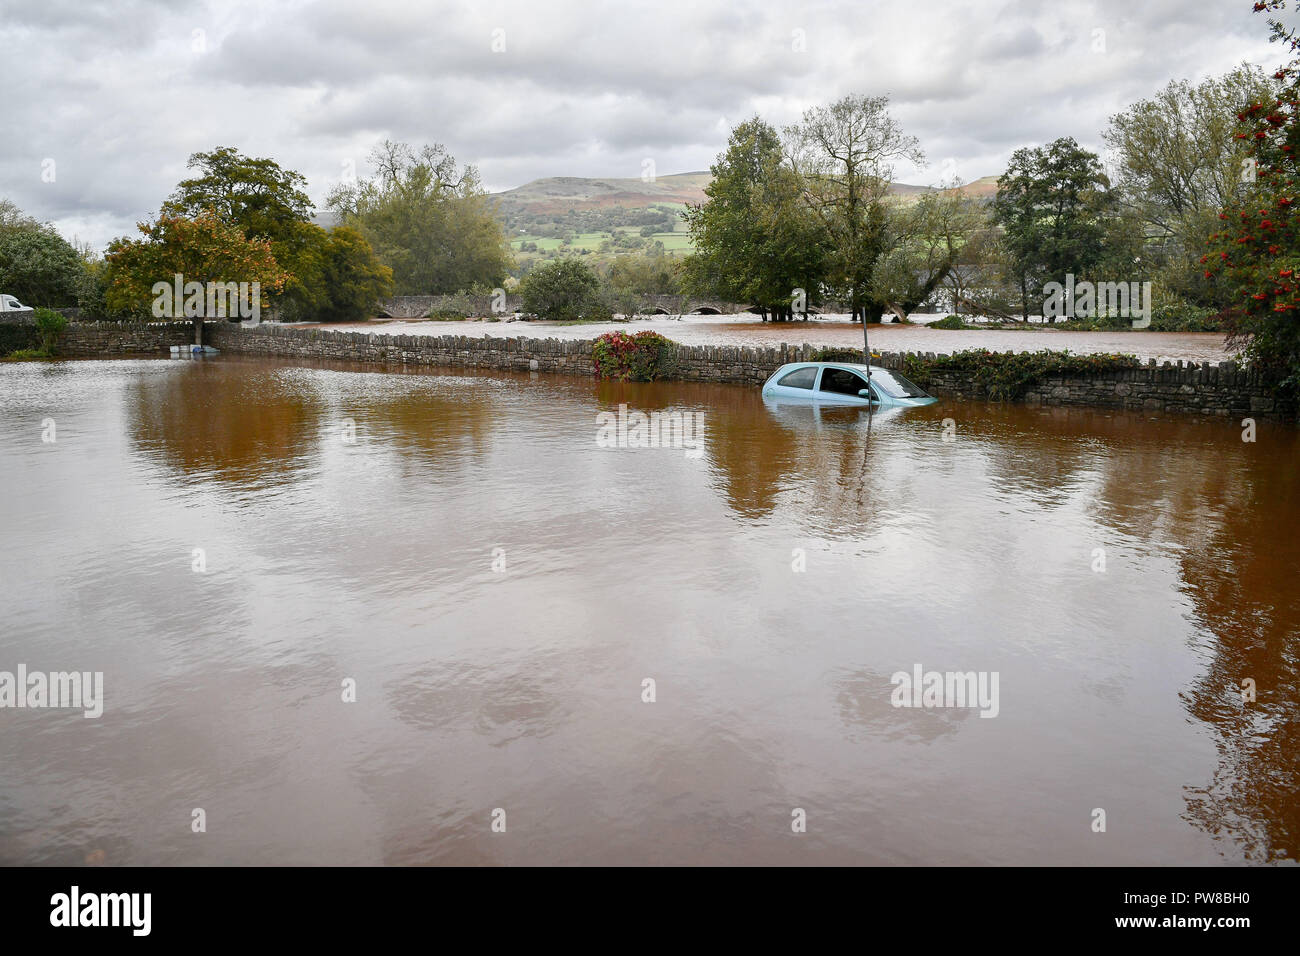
point(891, 383)
point(842, 381)
point(799, 378)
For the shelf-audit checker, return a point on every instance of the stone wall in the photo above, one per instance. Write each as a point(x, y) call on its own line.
point(84, 339)
point(545, 355)
point(1223, 389)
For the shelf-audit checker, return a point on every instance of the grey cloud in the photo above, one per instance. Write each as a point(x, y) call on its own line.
point(119, 94)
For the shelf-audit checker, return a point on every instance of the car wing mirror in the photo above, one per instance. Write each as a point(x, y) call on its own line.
point(866, 393)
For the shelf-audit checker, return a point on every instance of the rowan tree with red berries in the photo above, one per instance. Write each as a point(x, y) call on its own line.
point(1256, 252)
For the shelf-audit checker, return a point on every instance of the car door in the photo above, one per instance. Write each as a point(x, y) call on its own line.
point(840, 386)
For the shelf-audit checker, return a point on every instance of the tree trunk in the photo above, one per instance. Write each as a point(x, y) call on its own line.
point(198, 330)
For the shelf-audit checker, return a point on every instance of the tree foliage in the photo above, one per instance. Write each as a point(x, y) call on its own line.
point(1178, 163)
point(37, 265)
point(428, 220)
point(843, 156)
point(203, 249)
point(1053, 203)
point(1255, 254)
point(755, 239)
point(564, 289)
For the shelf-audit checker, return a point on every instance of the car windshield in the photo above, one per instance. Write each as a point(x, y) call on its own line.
point(893, 384)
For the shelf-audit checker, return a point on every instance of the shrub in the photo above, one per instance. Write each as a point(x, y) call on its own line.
point(1006, 376)
point(49, 327)
point(565, 289)
point(949, 322)
point(643, 357)
point(1185, 318)
point(22, 355)
point(851, 356)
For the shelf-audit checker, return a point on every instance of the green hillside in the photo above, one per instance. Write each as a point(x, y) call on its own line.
point(602, 218)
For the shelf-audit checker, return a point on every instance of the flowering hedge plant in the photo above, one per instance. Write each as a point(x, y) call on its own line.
point(642, 357)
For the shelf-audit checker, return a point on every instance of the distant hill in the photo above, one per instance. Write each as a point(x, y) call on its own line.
point(564, 215)
point(562, 193)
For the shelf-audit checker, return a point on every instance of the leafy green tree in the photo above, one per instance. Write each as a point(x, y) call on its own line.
point(427, 220)
point(37, 265)
point(267, 202)
point(264, 201)
point(258, 195)
point(563, 289)
point(1053, 205)
point(923, 245)
point(1255, 254)
point(352, 277)
point(203, 250)
point(755, 239)
point(1177, 164)
point(843, 157)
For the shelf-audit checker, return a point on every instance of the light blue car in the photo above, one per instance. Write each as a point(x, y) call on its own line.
point(841, 383)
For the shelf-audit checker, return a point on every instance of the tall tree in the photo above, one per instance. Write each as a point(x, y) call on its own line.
point(37, 265)
point(266, 202)
point(755, 240)
point(257, 195)
point(1053, 203)
point(203, 250)
point(426, 219)
point(844, 157)
point(1177, 164)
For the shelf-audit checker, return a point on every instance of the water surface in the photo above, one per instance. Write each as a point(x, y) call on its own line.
point(520, 688)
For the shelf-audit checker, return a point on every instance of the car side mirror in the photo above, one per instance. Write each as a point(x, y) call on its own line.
point(864, 393)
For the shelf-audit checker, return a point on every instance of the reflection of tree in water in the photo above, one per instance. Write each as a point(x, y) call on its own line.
point(453, 428)
point(1227, 511)
point(1242, 583)
point(233, 421)
point(243, 421)
point(1232, 510)
point(750, 458)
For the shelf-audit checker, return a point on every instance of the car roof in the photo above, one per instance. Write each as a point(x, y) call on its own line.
point(857, 366)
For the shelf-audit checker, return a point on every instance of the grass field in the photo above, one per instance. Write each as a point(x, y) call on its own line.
point(589, 243)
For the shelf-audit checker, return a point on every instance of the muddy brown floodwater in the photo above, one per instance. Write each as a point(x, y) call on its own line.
point(838, 331)
point(498, 588)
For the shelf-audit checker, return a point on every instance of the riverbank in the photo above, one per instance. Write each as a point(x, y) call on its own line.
point(1170, 387)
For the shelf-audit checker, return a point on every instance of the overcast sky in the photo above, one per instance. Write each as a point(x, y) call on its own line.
point(118, 94)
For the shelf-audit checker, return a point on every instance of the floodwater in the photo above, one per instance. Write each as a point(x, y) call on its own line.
point(496, 588)
point(839, 331)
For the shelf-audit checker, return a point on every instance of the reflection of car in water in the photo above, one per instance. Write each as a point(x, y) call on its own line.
point(839, 383)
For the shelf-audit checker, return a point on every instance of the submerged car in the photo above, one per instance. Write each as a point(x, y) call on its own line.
point(840, 383)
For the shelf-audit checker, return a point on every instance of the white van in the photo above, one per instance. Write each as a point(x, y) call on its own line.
point(10, 304)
